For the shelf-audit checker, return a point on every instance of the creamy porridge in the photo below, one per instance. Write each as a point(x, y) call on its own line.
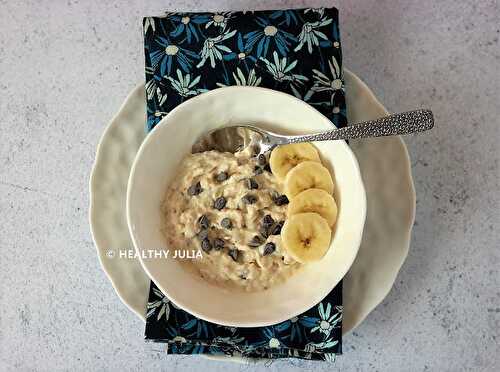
point(231, 208)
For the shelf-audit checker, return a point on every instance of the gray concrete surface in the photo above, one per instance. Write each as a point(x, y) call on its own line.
point(65, 67)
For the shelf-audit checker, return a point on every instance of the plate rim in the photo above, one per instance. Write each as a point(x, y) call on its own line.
point(367, 90)
point(138, 89)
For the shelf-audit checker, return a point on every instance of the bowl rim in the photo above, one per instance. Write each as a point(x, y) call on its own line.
point(356, 240)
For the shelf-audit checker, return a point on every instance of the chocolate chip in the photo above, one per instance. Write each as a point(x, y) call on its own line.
point(261, 160)
point(267, 168)
point(281, 200)
point(243, 277)
point(220, 203)
point(249, 199)
point(267, 224)
point(222, 176)
point(206, 245)
point(204, 222)
point(269, 248)
point(219, 244)
point(268, 220)
point(226, 223)
point(258, 170)
point(234, 254)
point(256, 241)
point(252, 184)
point(203, 234)
point(277, 228)
point(195, 189)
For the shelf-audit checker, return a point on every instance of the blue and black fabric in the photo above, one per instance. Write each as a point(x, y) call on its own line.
point(294, 51)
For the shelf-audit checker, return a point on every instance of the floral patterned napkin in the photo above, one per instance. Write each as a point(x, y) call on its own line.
point(294, 51)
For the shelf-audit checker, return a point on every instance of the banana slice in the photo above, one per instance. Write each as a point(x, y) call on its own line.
point(283, 158)
point(316, 201)
point(306, 237)
point(308, 175)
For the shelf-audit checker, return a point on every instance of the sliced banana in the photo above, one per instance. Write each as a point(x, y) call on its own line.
point(283, 158)
point(308, 175)
point(316, 201)
point(306, 237)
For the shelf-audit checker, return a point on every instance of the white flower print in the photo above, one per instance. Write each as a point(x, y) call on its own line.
point(163, 303)
point(281, 70)
point(184, 85)
point(149, 22)
point(320, 11)
point(212, 48)
point(161, 97)
point(312, 347)
point(310, 34)
point(240, 79)
point(323, 83)
point(327, 323)
point(150, 84)
point(219, 20)
point(150, 88)
point(330, 357)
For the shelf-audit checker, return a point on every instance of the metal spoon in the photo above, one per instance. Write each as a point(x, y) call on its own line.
point(236, 138)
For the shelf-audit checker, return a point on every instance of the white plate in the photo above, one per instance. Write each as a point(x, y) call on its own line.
point(386, 174)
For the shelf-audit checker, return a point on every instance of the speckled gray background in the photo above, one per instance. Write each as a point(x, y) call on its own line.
point(66, 66)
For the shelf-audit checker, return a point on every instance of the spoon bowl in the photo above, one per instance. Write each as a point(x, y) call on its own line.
point(233, 139)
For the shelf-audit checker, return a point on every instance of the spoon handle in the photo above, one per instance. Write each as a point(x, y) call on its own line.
point(396, 124)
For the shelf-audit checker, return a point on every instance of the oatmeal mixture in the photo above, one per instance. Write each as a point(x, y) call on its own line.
point(232, 208)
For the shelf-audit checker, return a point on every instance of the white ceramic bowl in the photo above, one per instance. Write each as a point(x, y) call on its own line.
point(155, 166)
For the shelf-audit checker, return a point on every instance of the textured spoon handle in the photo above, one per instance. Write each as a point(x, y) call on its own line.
point(396, 124)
